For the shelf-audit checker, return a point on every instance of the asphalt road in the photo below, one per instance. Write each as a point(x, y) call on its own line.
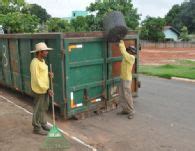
point(164, 120)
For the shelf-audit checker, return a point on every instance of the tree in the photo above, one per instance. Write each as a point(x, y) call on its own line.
point(79, 24)
point(126, 7)
point(7, 9)
point(93, 23)
point(173, 12)
point(9, 6)
point(19, 23)
point(12, 2)
point(152, 29)
point(58, 25)
point(38, 11)
point(183, 16)
point(184, 34)
point(187, 15)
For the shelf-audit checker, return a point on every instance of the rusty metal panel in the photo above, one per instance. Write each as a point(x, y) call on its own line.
point(114, 67)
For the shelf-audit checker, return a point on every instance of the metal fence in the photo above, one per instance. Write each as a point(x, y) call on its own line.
point(149, 44)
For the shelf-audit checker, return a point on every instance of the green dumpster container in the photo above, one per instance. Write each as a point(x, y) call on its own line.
point(86, 68)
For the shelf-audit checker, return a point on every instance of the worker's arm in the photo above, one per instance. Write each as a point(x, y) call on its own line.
point(128, 57)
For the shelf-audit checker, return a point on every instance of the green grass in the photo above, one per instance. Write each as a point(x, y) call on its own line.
point(181, 69)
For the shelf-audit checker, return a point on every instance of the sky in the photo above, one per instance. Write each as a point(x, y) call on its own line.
point(64, 8)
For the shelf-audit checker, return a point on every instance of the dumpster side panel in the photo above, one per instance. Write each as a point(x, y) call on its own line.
point(15, 64)
point(56, 59)
point(85, 74)
point(6, 78)
point(25, 58)
point(16, 58)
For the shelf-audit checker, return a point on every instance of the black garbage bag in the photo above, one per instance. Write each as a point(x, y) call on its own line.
point(115, 26)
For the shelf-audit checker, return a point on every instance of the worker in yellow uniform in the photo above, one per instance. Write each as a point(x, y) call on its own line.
point(125, 94)
point(40, 87)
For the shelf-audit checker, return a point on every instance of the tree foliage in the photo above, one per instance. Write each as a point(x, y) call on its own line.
point(79, 24)
point(184, 34)
point(9, 6)
point(12, 2)
point(173, 12)
point(58, 25)
point(16, 16)
point(152, 29)
point(101, 9)
point(38, 11)
point(19, 23)
point(182, 15)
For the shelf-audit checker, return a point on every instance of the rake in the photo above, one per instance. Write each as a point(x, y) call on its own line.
point(55, 139)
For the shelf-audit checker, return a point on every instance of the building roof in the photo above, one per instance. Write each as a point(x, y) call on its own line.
point(172, 28)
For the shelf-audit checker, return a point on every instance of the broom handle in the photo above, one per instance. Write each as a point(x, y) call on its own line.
point(52, 97)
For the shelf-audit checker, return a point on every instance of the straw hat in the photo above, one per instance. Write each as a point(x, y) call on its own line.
point(40, 47)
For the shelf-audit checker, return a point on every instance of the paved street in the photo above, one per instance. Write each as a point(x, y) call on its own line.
point(164, 120)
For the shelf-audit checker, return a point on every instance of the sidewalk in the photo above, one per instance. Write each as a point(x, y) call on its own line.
point(16, 131)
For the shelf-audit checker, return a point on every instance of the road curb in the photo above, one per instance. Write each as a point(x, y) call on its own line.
point(183, 79)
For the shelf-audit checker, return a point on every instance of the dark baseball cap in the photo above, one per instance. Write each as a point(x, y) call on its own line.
point(131, 49)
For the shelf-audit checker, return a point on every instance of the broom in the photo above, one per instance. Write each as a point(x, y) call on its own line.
point(55, 139)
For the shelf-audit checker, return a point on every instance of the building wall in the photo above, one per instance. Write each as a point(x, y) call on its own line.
point(169, 34)
point(79, 13)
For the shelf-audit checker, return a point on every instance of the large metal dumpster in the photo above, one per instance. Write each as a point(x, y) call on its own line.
point(86, 68)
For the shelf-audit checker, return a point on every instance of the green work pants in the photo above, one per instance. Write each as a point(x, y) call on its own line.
point(41, 103)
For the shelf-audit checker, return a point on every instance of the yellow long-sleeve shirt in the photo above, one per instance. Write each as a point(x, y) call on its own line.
point(39, 76)
point(127, 62)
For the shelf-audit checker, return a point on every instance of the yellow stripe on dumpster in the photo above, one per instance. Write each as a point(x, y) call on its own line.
point(70, 47)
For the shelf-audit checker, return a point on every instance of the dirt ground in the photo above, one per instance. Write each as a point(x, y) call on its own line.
point(166, 55)
point(16, 129)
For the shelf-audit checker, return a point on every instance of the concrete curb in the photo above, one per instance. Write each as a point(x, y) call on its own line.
point(183, 79)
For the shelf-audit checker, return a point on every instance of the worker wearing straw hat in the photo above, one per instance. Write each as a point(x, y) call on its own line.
point(125, 94)
point(40, 88)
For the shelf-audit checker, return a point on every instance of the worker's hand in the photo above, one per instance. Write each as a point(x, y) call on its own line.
point(51, 75)
point(121, 41)
point(122, 44)
point(50, 93)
